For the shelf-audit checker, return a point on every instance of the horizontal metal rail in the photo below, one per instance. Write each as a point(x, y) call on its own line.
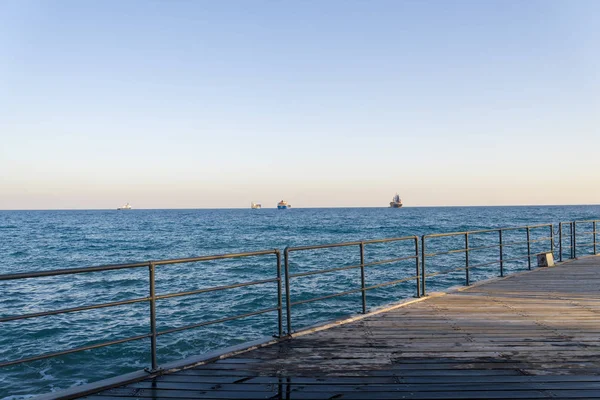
point(447, 271)
point(216, 257)
point(347, 292)
point(323, 271)
point(75, 350)
point(482, 265)
point(71, 271)
point(216, 321)
point(485, 247)
point(493, 246)
point(390, 283)
point(214, 289)
point(485, 264)
point(329, 296)
point(74, 309)
point(511, 228)
point(523, 257)
point(323, 246)
point(587, 233)
point(390, 260)
point(336, 269)
point(586, 244)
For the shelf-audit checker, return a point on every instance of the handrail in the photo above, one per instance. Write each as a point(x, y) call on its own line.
point(363, 286)
point(467, 249)
point(100, 268)
point(71, 271)
point(573, 238)
point(152, 299)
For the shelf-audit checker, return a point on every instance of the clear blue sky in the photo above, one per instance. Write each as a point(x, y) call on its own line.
point(169, 104)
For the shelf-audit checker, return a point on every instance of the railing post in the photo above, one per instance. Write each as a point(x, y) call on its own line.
point(595, 252)
point(552, 239)
point(423, 290)
point(501, 253)
point(560, 240)
point(151, 268)
point(418, 275)
point(288, 306)
point(528, 248)
point(570, 240)
point(279, 296)
point(574, 244)
point(362, 277)
point(467, 281)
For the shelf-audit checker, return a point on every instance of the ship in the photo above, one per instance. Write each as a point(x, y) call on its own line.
point(255, 206)
point(283, 205)
point(125, 207)
point(396, 201)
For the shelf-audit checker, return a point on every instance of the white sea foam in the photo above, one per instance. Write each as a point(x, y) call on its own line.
point(45, 375)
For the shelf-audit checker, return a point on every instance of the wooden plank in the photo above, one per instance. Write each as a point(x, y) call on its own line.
point(371, 387)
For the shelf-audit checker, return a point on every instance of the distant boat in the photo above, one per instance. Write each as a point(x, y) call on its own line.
point(396, 201)
point(283, 205)
point(255, 206)
point(125, 207)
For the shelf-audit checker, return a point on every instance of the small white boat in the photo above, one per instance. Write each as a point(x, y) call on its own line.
point(125, 207)
point(255, 206)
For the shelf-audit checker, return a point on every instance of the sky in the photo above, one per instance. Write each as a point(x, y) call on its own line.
point(210, 104)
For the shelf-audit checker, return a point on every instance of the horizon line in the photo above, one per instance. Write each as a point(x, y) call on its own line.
point(303, 208)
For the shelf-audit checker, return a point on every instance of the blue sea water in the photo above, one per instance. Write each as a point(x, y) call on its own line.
point(46, 240)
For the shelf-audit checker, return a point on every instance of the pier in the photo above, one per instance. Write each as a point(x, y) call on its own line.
point(528, 336)
point(526, 333)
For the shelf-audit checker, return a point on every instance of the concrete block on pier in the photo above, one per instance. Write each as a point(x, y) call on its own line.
point(545, 259)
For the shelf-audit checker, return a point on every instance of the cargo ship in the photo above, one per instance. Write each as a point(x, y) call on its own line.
point(396, 201)
point(255, 206)
point(125, 207)
point(283, 205)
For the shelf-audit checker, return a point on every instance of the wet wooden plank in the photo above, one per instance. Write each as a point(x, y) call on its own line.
point(371, 387)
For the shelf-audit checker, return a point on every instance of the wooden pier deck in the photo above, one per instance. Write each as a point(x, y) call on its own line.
point(529, 336)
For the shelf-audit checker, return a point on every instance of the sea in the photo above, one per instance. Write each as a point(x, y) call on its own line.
point(48, 240)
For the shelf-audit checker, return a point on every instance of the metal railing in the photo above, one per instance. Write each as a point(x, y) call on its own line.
point(581, 231)
point(573, 235)
point(360, 266)
point(501, 244)
point(415, 249)
point(152, 298)
point(561, 238)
